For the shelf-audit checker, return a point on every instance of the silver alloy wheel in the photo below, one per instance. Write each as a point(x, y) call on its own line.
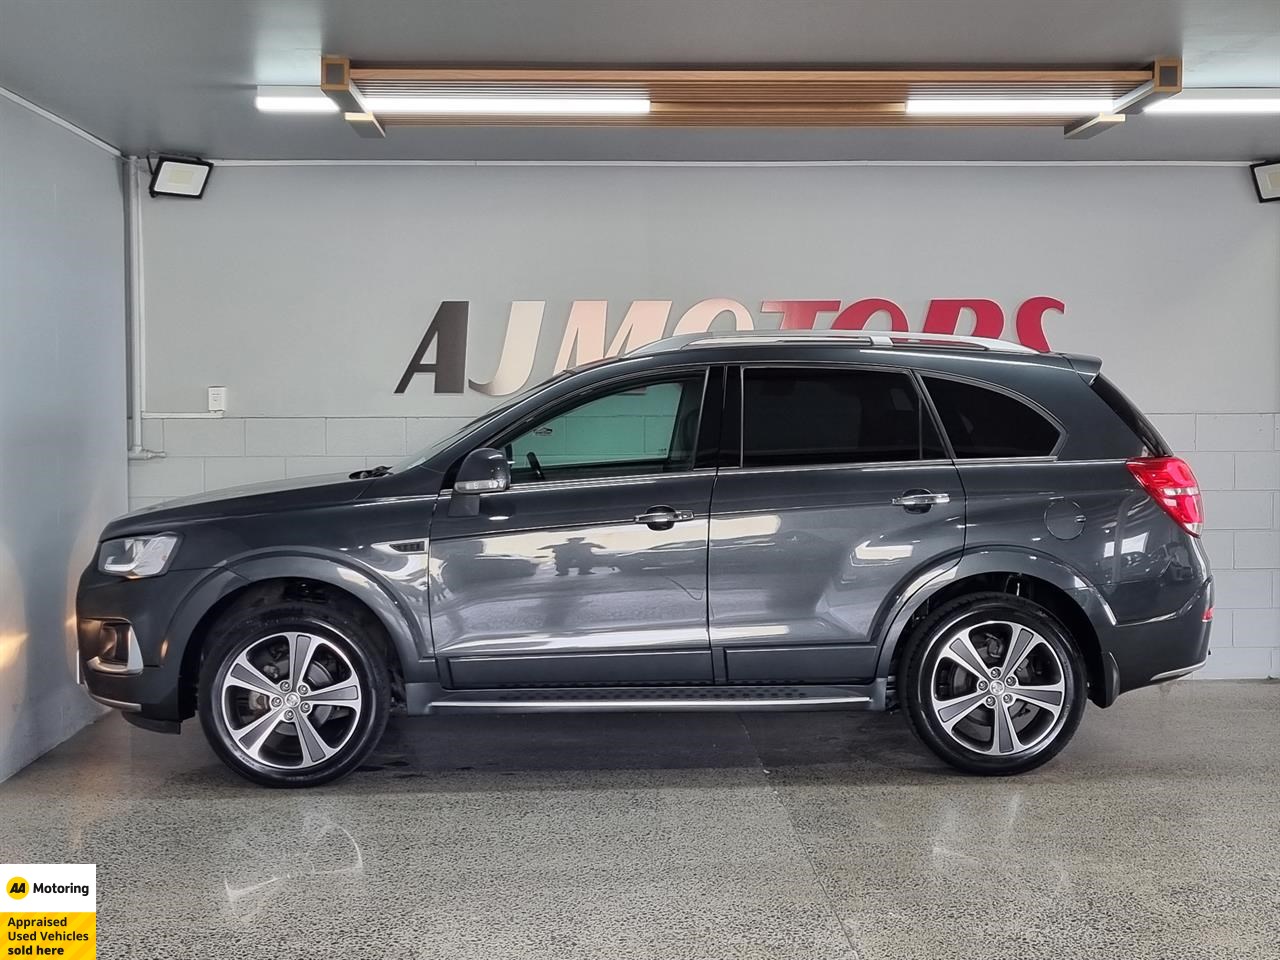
point(997, 687)
point(291, 700)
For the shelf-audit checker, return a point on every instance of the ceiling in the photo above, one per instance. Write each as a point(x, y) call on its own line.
point(179, 75)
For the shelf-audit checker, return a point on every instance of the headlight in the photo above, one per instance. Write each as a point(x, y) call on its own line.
point(137, 556)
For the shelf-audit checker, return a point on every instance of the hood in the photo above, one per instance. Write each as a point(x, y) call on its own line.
point(273, 495)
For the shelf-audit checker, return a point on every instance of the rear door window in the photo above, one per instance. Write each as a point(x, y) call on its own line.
point(987, 424)
point(799, 416)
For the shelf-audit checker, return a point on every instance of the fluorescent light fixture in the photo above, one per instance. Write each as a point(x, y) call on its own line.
point(180, 177)
point(293, 100)
point(508, 106)
point(1220, 100)
point(1007, 107)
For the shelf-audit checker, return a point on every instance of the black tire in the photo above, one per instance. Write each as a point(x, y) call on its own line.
point(929, 646)
point(356, 655)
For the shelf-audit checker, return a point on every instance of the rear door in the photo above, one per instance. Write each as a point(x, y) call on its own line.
point(592, 567)
point(836, 493)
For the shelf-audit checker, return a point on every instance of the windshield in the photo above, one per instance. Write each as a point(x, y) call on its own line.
point(422, 456)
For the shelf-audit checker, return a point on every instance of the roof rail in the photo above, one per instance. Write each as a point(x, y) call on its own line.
point(873, 338)
point(892, 339)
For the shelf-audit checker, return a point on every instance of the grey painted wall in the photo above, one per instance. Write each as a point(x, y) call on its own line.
point(305, 290)
point(62, 413)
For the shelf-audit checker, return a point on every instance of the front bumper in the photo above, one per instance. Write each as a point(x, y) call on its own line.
point(145, 677)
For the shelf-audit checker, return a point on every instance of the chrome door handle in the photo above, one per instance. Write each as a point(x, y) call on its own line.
point(663, 518)
point(921, 499)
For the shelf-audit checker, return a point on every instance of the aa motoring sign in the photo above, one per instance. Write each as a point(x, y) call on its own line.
point(584, 335)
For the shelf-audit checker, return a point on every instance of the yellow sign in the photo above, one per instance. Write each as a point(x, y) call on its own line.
point(52, 911)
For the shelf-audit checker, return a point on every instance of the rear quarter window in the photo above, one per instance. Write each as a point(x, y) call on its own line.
point(1148, 442)
point(987, 424)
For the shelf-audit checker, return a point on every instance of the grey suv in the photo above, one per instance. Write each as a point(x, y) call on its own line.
point(983, 535)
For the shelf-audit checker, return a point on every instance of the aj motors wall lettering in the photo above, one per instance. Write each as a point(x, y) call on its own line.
point(585, 331)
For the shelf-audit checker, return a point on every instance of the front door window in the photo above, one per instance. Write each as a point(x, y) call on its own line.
point(641, 429)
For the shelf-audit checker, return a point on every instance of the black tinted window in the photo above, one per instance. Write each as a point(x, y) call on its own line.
point(1150, 442)
point(987, 423)
point(797, 416)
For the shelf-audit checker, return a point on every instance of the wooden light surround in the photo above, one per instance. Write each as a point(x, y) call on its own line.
point(752, 98)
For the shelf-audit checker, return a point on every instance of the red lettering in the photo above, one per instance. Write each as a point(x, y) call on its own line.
point(699, 317)
point(799, 314)
point(856, 315)
point(1029, 323)
point(943, 316)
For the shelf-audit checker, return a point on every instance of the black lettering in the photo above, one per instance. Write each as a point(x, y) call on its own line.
point(449, 329)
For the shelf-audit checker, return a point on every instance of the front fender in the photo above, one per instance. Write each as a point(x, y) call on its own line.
point(995, 559)
point(401, 625)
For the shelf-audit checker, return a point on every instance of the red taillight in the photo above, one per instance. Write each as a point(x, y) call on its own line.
point(1208, 614)
point(1171, 484)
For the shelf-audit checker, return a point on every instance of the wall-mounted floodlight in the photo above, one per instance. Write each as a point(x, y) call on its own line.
point(1266, 180)
point(179, 177)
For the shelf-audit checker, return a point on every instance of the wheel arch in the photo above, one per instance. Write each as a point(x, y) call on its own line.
point(1045, 580)
point(297, 577)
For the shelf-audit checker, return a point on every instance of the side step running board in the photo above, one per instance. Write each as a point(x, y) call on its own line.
point(601, 706)
point(651, 699)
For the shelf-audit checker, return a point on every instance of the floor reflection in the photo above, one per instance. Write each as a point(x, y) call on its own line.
point(656, 836)
point(264, 859)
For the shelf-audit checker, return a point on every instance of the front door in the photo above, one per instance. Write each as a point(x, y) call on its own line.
point(592, 567)
point(842, 492)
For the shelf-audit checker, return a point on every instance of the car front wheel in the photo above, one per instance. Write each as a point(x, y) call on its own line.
point(994, 684)
point(293, 693)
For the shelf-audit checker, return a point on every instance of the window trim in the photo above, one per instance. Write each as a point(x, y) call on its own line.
point(1039, 408)
point(878, 466)
point(921, 397)
point(711, 418)
point(585, 394)
point(537, 486)
point(938, 427)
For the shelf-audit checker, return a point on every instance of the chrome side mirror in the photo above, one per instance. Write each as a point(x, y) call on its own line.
point(483, 471)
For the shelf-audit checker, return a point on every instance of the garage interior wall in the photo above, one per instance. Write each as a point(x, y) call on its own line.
point(306, 289)
point(62, 408)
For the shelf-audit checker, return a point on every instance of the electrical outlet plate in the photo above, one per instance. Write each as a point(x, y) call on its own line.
point(217, 399)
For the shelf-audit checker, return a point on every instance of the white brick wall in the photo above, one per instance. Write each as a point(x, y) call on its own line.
point(211, 454)
point(298, 437)
point(204, 438)
point(365, 436)
point(1236, 458)
point(1237, 462)
point(1235, 431)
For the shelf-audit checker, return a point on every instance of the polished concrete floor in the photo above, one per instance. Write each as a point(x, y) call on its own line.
point(832, 835)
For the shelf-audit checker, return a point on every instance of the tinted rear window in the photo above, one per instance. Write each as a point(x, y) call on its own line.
point(985, 424)
point(1152, 444)
point(797, 416)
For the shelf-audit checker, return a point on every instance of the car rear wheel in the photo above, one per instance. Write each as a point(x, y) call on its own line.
point(994, 684)
point(293, 693)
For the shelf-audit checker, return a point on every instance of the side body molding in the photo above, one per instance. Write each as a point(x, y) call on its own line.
point(411, 646)
point(1003, 560)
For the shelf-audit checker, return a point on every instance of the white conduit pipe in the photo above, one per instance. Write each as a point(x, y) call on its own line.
point(137, 317)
